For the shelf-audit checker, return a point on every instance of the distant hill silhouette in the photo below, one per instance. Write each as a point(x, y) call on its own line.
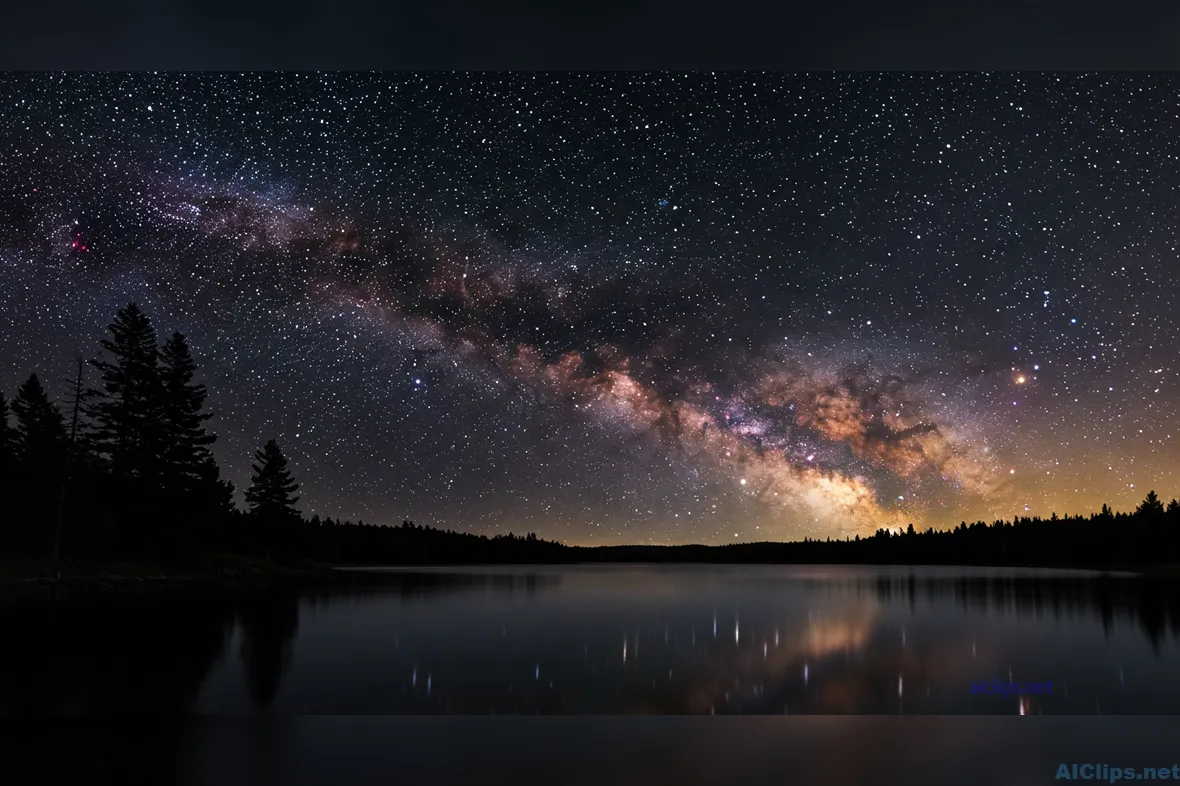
point(126, 473)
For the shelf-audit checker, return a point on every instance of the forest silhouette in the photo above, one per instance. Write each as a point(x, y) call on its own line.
point(124, 473)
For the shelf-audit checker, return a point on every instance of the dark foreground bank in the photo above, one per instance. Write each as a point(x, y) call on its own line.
point(218, 574)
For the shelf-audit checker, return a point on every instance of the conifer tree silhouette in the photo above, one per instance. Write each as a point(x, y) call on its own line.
point(215, 502)
point(194, 490)
point(129, 425)
point(9, 538)
point(270, 496)
point(7, 443)
point(186, 440)
point(40, 450)
point(1151, 505)
point(128, 412)
point(272, 485)
point(40, 431)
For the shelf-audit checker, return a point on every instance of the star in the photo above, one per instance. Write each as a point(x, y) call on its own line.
point(582, 365)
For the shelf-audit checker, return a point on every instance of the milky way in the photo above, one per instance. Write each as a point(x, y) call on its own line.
point(626, 308)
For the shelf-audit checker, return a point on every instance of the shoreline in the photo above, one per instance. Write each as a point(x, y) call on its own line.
point(30, 580)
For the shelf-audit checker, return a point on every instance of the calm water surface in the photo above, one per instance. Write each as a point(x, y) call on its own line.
point(614, 640)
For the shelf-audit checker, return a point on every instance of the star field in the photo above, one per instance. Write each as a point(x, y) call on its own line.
point(626, 308)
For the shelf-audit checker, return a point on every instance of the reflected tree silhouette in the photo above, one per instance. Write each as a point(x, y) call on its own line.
point(268, 623)
point(415, 585)
point(1153, 605)
point(110, 656)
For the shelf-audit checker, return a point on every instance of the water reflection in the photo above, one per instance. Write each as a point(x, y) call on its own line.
point(268, 622)
point(603, 640)
point(79, 658)
point(108, 653)
point(1153, 605)
point(423, 584)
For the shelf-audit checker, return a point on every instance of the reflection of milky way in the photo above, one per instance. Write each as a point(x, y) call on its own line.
point(615, 308)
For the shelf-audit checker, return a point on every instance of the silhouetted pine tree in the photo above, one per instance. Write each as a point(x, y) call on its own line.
point(7, 439)
point(215, 498)
point(9, 538)
point(129, 428)
point(186, 440)
point(1151, 505)
point(128, 413)
point(1173, 507)
point(190, 475)
point(270, 496)
point(272, 485)
point(40, 452)
point(39, 429)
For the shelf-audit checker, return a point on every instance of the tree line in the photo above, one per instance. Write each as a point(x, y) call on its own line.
point(125, 471)
point(1147, 536)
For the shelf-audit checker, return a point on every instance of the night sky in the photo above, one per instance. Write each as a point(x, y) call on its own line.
point(626, 308)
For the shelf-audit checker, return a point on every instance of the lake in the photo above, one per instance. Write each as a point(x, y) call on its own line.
point(600, 675)
point(614, 640)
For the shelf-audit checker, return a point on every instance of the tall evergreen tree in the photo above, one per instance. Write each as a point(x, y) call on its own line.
point(40, 431)
point(8, 480)
point(128, 412)
point(129, 431)
point(272, 486)
point(186, 440)
point(215, 491)
point(214, 499)
point(270, 497)
point(7, 440)
point(40, 453)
